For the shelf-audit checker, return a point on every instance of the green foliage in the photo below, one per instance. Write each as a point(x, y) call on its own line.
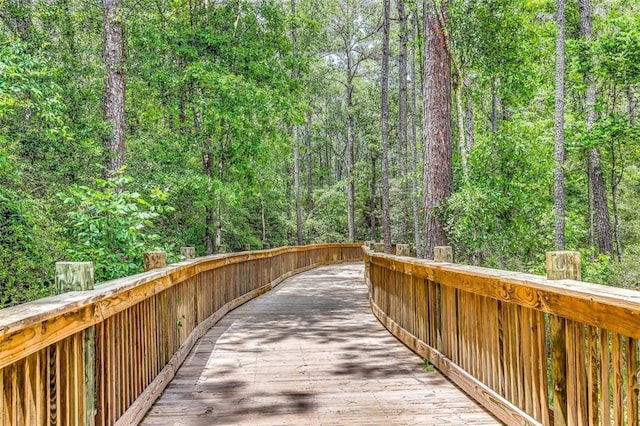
point(501, 216)
point(214, 81)
point(108, 225)
point(596, 268)
point(427, 366)
point(28, 249)
point(618, 49)
point(328, 221)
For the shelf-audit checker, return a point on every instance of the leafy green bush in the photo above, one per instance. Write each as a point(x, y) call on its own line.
point(109, 225)
point(27, 250)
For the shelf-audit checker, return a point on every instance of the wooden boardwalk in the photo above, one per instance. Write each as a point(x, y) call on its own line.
point(309, 353)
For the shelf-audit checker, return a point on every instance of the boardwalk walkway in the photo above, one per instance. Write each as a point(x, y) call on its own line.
point(309, 353)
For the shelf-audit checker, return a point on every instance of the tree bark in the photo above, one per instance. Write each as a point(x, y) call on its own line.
point(402, 88)
point(462, 143)
point(296, 185)
point(114, 89)
point(559, 197)
point(414, 144)
point(616, 178)
point(296, 138)
point(384, 127)
point(207, 164)
point(264, 222)
point(494, 105)
point(309, 163)
point(372, 217)
point(350, 183)
point(596, 180)
point(468, 121)
point(438, 177)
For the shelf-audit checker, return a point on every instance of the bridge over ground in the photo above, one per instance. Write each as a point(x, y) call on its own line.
point(528, 349)
point(309, 352)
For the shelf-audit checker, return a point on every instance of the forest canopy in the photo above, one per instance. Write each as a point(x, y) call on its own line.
point(506, 128)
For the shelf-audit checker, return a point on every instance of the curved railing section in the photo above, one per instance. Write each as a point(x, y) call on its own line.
point(531, 350)
point(145, 325)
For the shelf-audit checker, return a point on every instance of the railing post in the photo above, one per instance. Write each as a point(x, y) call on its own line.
point(443, 254)
point(403, 250)
point(154, 260)
point(188, 252)
point(78, 276)
point(560, 265)
point(378, 247)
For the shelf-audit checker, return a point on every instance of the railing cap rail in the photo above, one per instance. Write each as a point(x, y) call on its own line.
point(613, 308)
point(22, 316)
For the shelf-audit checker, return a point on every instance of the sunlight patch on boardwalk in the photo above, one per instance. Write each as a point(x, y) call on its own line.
point(309, 352)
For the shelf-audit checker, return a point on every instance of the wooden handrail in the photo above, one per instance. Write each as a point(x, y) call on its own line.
point(145, 326)
point(488, 331)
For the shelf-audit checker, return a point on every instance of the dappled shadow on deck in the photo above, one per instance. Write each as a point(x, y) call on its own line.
point(309, 352)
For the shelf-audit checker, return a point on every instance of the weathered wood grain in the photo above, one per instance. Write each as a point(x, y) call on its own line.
point(582, 336)
point(615, 309)
point(141, 322)
point(26, 328)
point(309, 352)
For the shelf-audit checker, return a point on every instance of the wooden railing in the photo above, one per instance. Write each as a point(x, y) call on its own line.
point(491, 332)
point(145, 325)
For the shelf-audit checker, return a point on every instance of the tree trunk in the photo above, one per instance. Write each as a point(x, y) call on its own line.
point(288, 190)
point(630, 105)
point(296, 134)
point(402, 88)
point(462, 143)
point(436, 120)
point(296, 185)
point(350, 183)
point(468, 120)
point(559, 130)
point(384, 127)
point(264, 222)
point(494, 105)
point(616, 178)
point(494, 125)
point(590, 221)
point(414, 144)
point(207, 163)
point(309, 165)
point(372, 217)
point(596, 180)
point(600, 208)
point(114, 85)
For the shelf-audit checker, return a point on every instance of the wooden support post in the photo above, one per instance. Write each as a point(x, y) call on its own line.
point(154, 260)
point(443, 254)
point(188, 252)
point(563, 265)
point(560, 265)
point(78, 276)
point(74, 276)
point(403, 250)
point(378, 247)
